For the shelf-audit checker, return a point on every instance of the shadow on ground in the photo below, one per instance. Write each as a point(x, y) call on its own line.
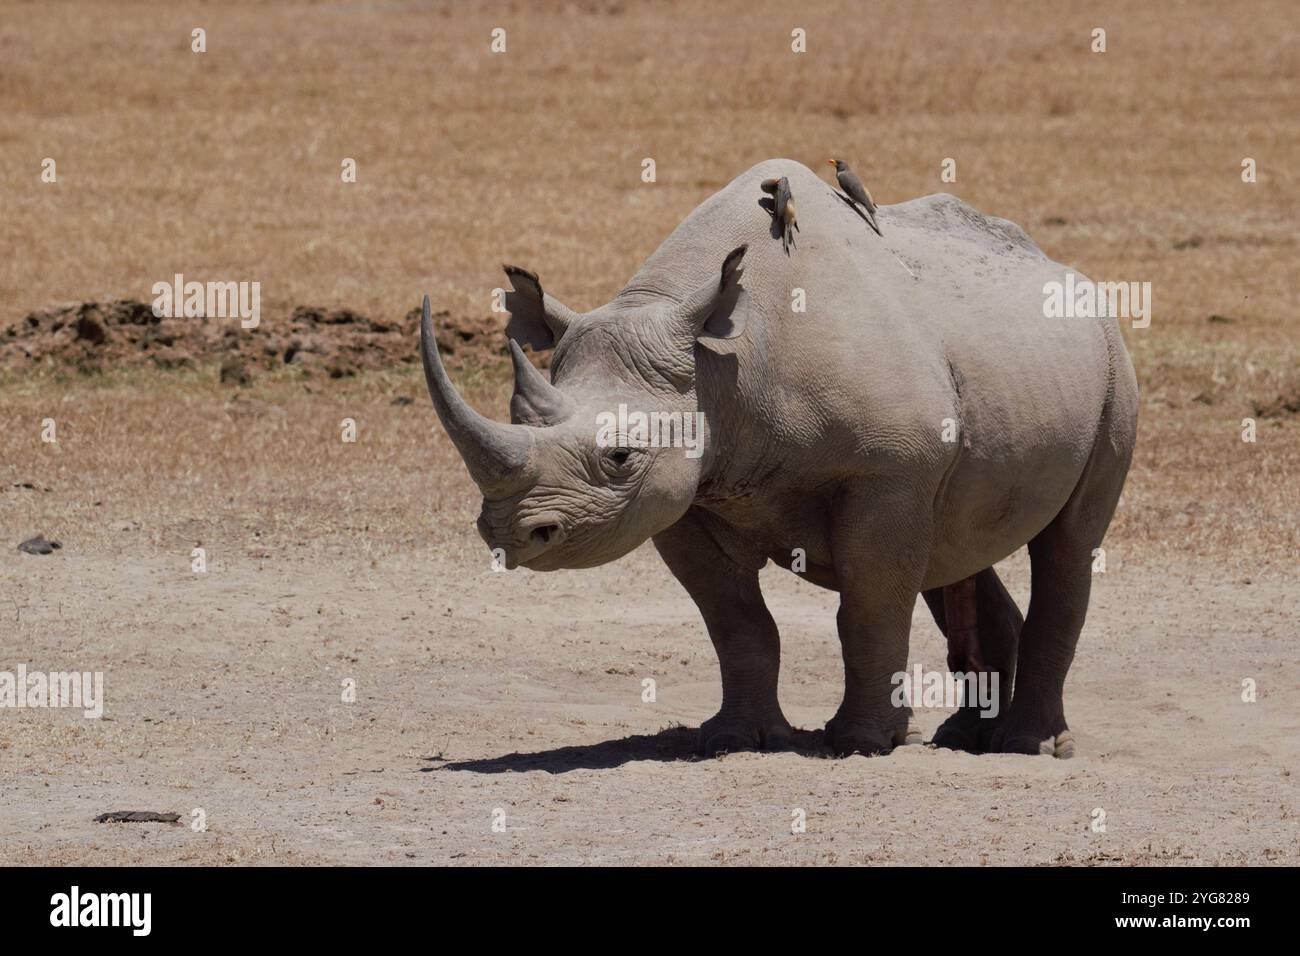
point(674, 743)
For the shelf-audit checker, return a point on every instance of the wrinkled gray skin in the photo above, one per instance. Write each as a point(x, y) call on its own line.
point(825, 433)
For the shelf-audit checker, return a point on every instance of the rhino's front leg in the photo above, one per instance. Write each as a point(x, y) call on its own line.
point(881, 546)
point(723, 581)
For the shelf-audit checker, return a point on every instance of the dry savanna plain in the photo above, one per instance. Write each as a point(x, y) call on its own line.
point(339, 569)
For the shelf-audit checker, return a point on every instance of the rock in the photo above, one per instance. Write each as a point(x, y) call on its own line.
point(38, 545)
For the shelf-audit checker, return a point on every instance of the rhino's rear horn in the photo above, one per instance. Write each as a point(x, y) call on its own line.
point(536, 401)
point(499, 457)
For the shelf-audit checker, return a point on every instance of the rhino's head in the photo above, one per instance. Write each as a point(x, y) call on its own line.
point(573, 482)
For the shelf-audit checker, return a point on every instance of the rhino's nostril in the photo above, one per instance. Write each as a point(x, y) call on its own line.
point(545, 533)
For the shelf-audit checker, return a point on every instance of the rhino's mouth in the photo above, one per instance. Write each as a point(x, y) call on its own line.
point(577, 555)
point(543, 562)
point(522, 542)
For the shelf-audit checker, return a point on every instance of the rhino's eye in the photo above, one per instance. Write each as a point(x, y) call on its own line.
point(617, 462)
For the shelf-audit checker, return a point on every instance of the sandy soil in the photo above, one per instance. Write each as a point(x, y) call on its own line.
point(481, 691)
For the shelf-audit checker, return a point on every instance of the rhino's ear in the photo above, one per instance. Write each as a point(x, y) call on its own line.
point(714, 310)
point(536, 319)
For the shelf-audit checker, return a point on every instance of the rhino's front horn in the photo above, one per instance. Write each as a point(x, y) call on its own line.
point(499, 457)
point(536, 401)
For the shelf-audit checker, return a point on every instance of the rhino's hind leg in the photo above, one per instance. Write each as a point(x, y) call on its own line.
point(998, 622)
point(1061, 567)
point(743, 634)
point(1060, 561)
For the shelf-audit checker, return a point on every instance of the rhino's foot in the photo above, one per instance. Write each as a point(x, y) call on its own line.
point(967, 730)
point(1057, 745)
point(1050, 738)
point(726, 733)
point(846, 735)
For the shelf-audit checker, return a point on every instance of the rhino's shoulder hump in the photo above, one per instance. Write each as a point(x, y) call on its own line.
point(945, 214)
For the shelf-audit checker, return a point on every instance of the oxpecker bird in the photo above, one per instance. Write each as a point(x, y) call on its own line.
point(856, 192)
point(782, 208)
point(785, 215)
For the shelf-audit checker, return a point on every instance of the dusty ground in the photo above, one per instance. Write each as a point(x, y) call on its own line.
point(478, 691)
point(519, 691)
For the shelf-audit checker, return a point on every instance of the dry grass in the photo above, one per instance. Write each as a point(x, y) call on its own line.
point(226, 165)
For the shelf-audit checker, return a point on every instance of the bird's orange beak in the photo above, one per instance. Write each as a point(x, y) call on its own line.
point(831, 161)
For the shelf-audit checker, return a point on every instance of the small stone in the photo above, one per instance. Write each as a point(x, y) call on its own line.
point(38, 545)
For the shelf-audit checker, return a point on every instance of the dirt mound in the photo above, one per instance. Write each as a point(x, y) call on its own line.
point(125, 333)
point(1286, 404)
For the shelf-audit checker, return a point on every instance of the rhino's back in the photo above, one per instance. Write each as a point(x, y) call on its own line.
point(944, 282)
point(949, 299)
point(955, 232)
point(941, 240)
point(943, 271)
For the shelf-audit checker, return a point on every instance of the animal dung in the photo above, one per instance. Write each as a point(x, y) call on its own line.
point(137, 816)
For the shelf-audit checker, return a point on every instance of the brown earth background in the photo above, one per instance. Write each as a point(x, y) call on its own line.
point(333, 561)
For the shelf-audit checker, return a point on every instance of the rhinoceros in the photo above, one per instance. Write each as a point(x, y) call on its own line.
point(887, 416)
